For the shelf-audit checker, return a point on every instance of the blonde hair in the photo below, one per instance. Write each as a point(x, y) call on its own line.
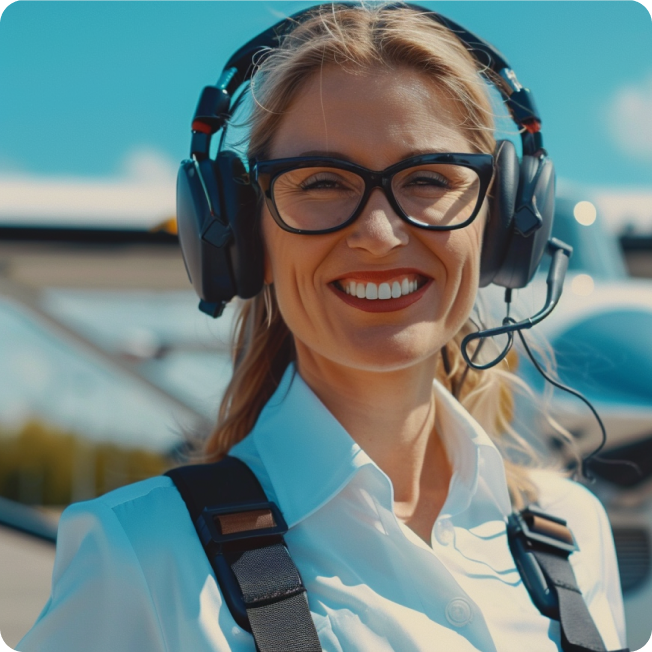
point(358, 39)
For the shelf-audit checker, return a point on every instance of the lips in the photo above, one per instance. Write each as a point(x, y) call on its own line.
point(390, 289)
point(381, 291)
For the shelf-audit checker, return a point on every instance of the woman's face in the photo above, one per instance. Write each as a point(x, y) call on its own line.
point(374, 120)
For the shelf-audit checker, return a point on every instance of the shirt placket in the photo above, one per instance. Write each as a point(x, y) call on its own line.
point(423, 574)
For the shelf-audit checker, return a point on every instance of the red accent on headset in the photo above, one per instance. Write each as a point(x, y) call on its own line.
point(533, 126)
point(198, 125)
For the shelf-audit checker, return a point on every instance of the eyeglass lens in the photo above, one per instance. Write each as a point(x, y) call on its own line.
point(318, 198)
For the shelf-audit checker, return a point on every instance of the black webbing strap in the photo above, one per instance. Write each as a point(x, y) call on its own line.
point(549, 540)
point(578, 631)
point(242, 534)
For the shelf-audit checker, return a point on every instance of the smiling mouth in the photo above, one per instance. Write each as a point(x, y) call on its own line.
point(395, 288)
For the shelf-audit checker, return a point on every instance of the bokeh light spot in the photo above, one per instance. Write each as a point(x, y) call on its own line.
point(582, 285)
point(585, 213)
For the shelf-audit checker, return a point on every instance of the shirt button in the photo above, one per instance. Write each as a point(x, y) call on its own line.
point(444, 532)
point(458, 612)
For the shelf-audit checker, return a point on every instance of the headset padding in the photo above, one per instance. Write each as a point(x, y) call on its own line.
point(501, 211)
point(207, 265)
point(524, 252)
point(239, 204)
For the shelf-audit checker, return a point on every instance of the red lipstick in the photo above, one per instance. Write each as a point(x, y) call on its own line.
point(381, 305)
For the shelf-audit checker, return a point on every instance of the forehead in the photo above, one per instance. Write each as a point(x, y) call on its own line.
point(374, 118)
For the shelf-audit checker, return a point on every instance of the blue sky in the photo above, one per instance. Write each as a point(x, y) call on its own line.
point(87, 85)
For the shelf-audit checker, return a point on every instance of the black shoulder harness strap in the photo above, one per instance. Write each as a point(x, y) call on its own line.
point(541, 544)
point(242, 534)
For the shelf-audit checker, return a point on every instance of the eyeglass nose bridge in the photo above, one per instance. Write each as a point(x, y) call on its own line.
point(373, 180)
point(376, 180)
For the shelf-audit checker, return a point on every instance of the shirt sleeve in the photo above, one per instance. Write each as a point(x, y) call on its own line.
point(610, 598)
point(595, 563)
point(100, 600)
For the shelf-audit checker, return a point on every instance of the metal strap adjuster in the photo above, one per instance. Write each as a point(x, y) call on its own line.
point(240, 526)
point(539, 529)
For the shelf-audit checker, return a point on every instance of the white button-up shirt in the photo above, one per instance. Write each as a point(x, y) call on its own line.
point(131, 576)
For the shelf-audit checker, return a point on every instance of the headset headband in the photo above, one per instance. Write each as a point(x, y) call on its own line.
point(217, 204)
point(214, 106)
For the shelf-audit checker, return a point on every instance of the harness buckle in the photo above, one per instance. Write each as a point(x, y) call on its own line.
point(539, 529)
point(240, 527)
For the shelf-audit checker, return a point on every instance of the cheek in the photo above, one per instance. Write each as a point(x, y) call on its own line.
point(469, 249)
point(266, 223)
point(459, 253)
point(283, 269)
point(283, 256)
point(291, 263)
point(283, 253)
point(478, 227)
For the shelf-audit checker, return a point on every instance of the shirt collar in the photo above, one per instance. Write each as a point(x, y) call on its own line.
point(308, 457)
point(475, 460)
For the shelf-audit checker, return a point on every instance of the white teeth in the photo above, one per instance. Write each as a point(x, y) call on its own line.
point(383, 291)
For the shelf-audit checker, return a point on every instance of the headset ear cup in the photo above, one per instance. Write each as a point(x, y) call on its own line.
point(502, 200)
point(222, 261)
point(535, 203)
point(203, 240)
point(240, 206)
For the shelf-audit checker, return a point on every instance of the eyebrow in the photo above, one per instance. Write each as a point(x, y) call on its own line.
point(326, 154)
point(345, 157)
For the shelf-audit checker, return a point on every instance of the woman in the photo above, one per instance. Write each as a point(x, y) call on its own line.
point(394, 488)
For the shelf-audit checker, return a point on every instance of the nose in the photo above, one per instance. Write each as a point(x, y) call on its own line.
point(378, 229)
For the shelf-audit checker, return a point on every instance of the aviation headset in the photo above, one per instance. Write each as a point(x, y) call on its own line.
point(217, 205)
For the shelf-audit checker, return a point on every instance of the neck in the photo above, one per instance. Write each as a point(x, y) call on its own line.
point(391, 415)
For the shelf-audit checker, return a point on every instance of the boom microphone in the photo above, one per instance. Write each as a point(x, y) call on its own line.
point(561, 253)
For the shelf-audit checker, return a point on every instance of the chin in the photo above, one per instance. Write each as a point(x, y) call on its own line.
point(385, 352)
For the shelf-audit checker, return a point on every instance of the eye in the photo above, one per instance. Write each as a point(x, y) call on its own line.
point(325, 181)
point(321, 184)
point(427, 178)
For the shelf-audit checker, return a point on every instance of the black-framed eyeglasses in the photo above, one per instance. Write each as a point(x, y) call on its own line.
point(314, 195)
